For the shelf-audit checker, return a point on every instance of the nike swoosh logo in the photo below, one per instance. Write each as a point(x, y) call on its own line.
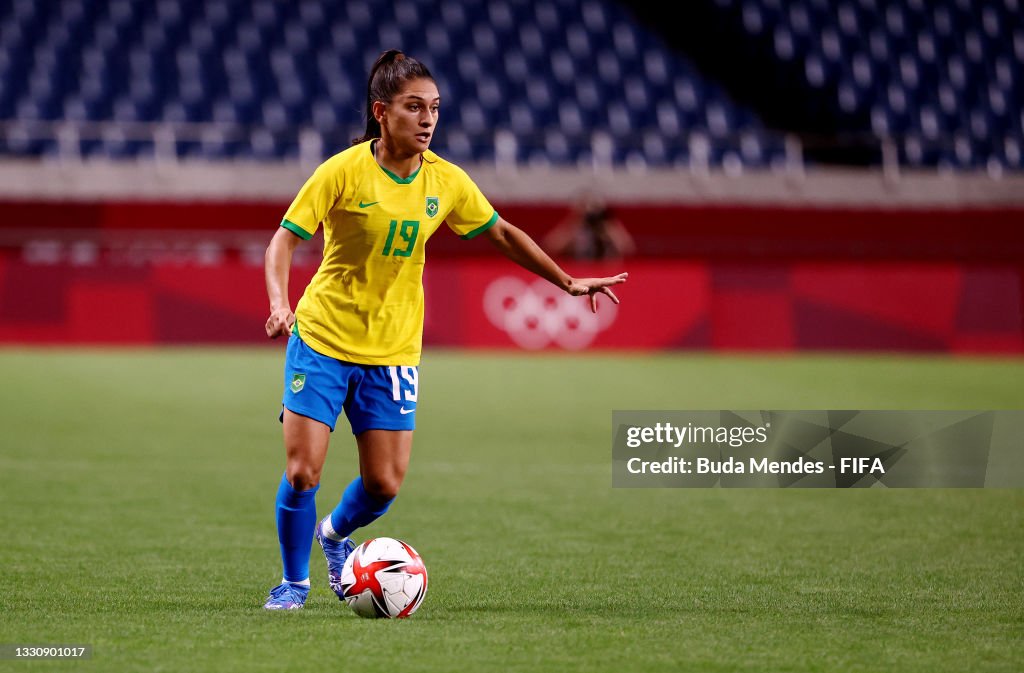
point(367, 205)
point(404, 411)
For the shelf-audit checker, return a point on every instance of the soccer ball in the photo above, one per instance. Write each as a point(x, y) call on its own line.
point(384, 577)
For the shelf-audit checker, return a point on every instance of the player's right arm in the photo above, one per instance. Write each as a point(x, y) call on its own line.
point(276, 265)
point(301, 220)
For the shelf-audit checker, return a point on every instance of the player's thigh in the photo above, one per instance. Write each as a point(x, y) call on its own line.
point(305, 443)
point(382, 398)
point(315, 385)
point(383, 460)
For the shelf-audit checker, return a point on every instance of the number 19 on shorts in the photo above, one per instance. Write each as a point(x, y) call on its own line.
point(405, 383)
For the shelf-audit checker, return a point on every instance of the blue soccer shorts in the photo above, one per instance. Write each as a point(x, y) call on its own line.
point(374, 397)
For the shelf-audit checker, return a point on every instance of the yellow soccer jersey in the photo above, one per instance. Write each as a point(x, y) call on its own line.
point(365, 303)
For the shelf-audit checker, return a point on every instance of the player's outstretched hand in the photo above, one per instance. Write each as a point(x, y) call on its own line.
point(280, 323)
point(596, 286)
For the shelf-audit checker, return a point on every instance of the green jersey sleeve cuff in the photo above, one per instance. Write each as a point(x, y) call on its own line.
point(296, 229)
point(482, 228)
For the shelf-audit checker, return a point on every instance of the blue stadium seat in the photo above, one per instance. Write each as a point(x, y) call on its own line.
point(552, 73)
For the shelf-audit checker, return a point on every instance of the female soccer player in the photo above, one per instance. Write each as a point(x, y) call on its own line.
point(355, 335)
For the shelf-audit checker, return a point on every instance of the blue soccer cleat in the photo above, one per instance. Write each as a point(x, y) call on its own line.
point(287, 596)
point(336, 554)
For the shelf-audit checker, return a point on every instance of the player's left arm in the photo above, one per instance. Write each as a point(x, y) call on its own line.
point(517, 245)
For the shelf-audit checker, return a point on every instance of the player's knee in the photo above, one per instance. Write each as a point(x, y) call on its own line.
point(382, 487)
point(302, 477)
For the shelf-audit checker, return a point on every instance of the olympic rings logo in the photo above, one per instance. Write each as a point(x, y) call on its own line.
point(538, 314)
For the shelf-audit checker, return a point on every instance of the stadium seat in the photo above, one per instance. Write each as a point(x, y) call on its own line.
point(552, 73)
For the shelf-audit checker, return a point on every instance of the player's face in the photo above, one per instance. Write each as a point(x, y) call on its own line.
point(411, 116)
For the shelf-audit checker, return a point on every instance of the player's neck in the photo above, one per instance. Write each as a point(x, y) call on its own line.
point(401, 165)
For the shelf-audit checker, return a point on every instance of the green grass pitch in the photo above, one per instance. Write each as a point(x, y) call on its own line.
point(137, 492)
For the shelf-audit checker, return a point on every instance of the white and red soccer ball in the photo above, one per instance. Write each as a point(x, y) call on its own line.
point(384, 577)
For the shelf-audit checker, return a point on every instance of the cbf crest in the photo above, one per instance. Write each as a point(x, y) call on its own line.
point(432, 206)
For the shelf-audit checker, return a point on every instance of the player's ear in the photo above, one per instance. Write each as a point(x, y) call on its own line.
point(379, 108)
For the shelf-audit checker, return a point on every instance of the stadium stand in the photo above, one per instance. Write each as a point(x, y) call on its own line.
point(149, 148)
point(564, 82)
point(938, 81)
point(567, 82)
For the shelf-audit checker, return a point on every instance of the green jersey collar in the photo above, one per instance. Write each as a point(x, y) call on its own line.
point(394, 176)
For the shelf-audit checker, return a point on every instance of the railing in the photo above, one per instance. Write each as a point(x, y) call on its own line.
point(696, 152)
point(169, 142)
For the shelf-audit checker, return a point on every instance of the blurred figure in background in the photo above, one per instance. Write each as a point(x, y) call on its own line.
point(591, 232)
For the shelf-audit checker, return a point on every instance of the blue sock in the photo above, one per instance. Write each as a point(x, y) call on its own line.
point(296, 519)
point(356, 509)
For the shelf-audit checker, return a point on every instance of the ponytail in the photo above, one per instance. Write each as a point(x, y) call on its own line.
point(387, 76)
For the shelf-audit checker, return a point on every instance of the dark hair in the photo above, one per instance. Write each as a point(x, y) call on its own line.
point(387, 76)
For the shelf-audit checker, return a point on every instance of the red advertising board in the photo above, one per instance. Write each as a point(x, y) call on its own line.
point(490, 303)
